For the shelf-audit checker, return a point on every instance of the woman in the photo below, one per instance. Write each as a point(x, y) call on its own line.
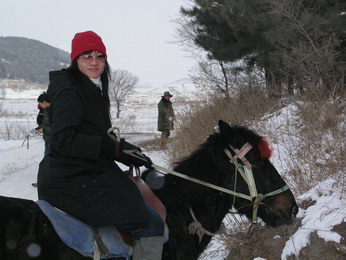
point(80, 176)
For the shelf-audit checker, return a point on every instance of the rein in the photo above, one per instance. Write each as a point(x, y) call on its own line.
point(245, 171)
point(255, 197)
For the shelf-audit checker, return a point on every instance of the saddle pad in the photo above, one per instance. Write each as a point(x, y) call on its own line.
point(79, 236)
point(154, 179)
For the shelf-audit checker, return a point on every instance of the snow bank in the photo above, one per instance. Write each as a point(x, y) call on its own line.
point(328, 211)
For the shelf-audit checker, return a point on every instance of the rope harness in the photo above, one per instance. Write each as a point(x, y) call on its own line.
point(196, 227)
point(246, 172)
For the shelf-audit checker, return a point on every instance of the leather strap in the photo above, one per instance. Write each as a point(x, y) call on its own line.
point(98, 239)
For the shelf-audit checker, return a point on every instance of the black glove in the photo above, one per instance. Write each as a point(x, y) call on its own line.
point(127, 146)
point(132, 155)
point(135, 158)
point(148, 164)
point(139, 159)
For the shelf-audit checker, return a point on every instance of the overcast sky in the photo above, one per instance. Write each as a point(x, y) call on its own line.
point(138, 34)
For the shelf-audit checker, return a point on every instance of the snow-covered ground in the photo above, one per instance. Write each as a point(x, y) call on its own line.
point(19, 165)
point(328, 211)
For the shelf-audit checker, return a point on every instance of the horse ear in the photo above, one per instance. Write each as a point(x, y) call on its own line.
point(224, 127)
point(229, 133)
point(225, 130)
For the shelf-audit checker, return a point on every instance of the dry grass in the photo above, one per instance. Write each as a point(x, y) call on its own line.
point(6, 113)
point(258, 242)
point(197, 120)
point(269, 242)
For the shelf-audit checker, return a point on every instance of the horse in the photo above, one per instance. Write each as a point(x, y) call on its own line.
point(194, 211)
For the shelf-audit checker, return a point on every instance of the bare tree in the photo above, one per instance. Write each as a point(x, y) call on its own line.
point(212, 75)
point(225, 78)
point(121, 84)
point(310, 45)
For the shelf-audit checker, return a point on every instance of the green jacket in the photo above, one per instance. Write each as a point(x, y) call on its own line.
point(166, 115)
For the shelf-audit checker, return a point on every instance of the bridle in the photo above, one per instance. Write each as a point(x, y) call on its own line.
point(246, 172)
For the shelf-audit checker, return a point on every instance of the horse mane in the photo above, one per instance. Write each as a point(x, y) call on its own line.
point(216, 144)
point(248, 135)
point(255, 140)
point(212, 144)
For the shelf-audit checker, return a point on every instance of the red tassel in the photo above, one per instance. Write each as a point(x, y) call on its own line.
point(264, 149)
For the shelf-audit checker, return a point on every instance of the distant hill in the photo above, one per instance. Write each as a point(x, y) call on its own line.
point(31, 60)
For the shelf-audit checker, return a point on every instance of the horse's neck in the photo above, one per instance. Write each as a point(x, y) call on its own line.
point(209, 206)
point(204, 201)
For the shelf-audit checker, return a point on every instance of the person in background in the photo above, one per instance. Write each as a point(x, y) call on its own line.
point(79, 175)
point(43, 122)
point(39, 119)
point(44, 103)
point(166, 117)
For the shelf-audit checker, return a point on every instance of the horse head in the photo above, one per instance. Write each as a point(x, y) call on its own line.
point(270, 197)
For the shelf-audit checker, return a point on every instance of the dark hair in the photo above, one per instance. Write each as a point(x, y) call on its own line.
point(84, 80)
point(43, 97)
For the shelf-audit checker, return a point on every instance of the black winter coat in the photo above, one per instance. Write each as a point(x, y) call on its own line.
point(80, 176)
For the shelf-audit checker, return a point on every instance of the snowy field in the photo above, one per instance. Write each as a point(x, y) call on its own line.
point(19, 165)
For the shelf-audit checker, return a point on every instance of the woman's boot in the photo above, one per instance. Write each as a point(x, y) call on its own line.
point(148, 248)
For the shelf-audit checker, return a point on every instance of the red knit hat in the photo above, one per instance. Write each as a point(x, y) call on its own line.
point(86, 41)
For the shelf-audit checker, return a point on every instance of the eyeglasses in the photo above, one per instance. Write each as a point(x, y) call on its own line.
point(89, 58)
